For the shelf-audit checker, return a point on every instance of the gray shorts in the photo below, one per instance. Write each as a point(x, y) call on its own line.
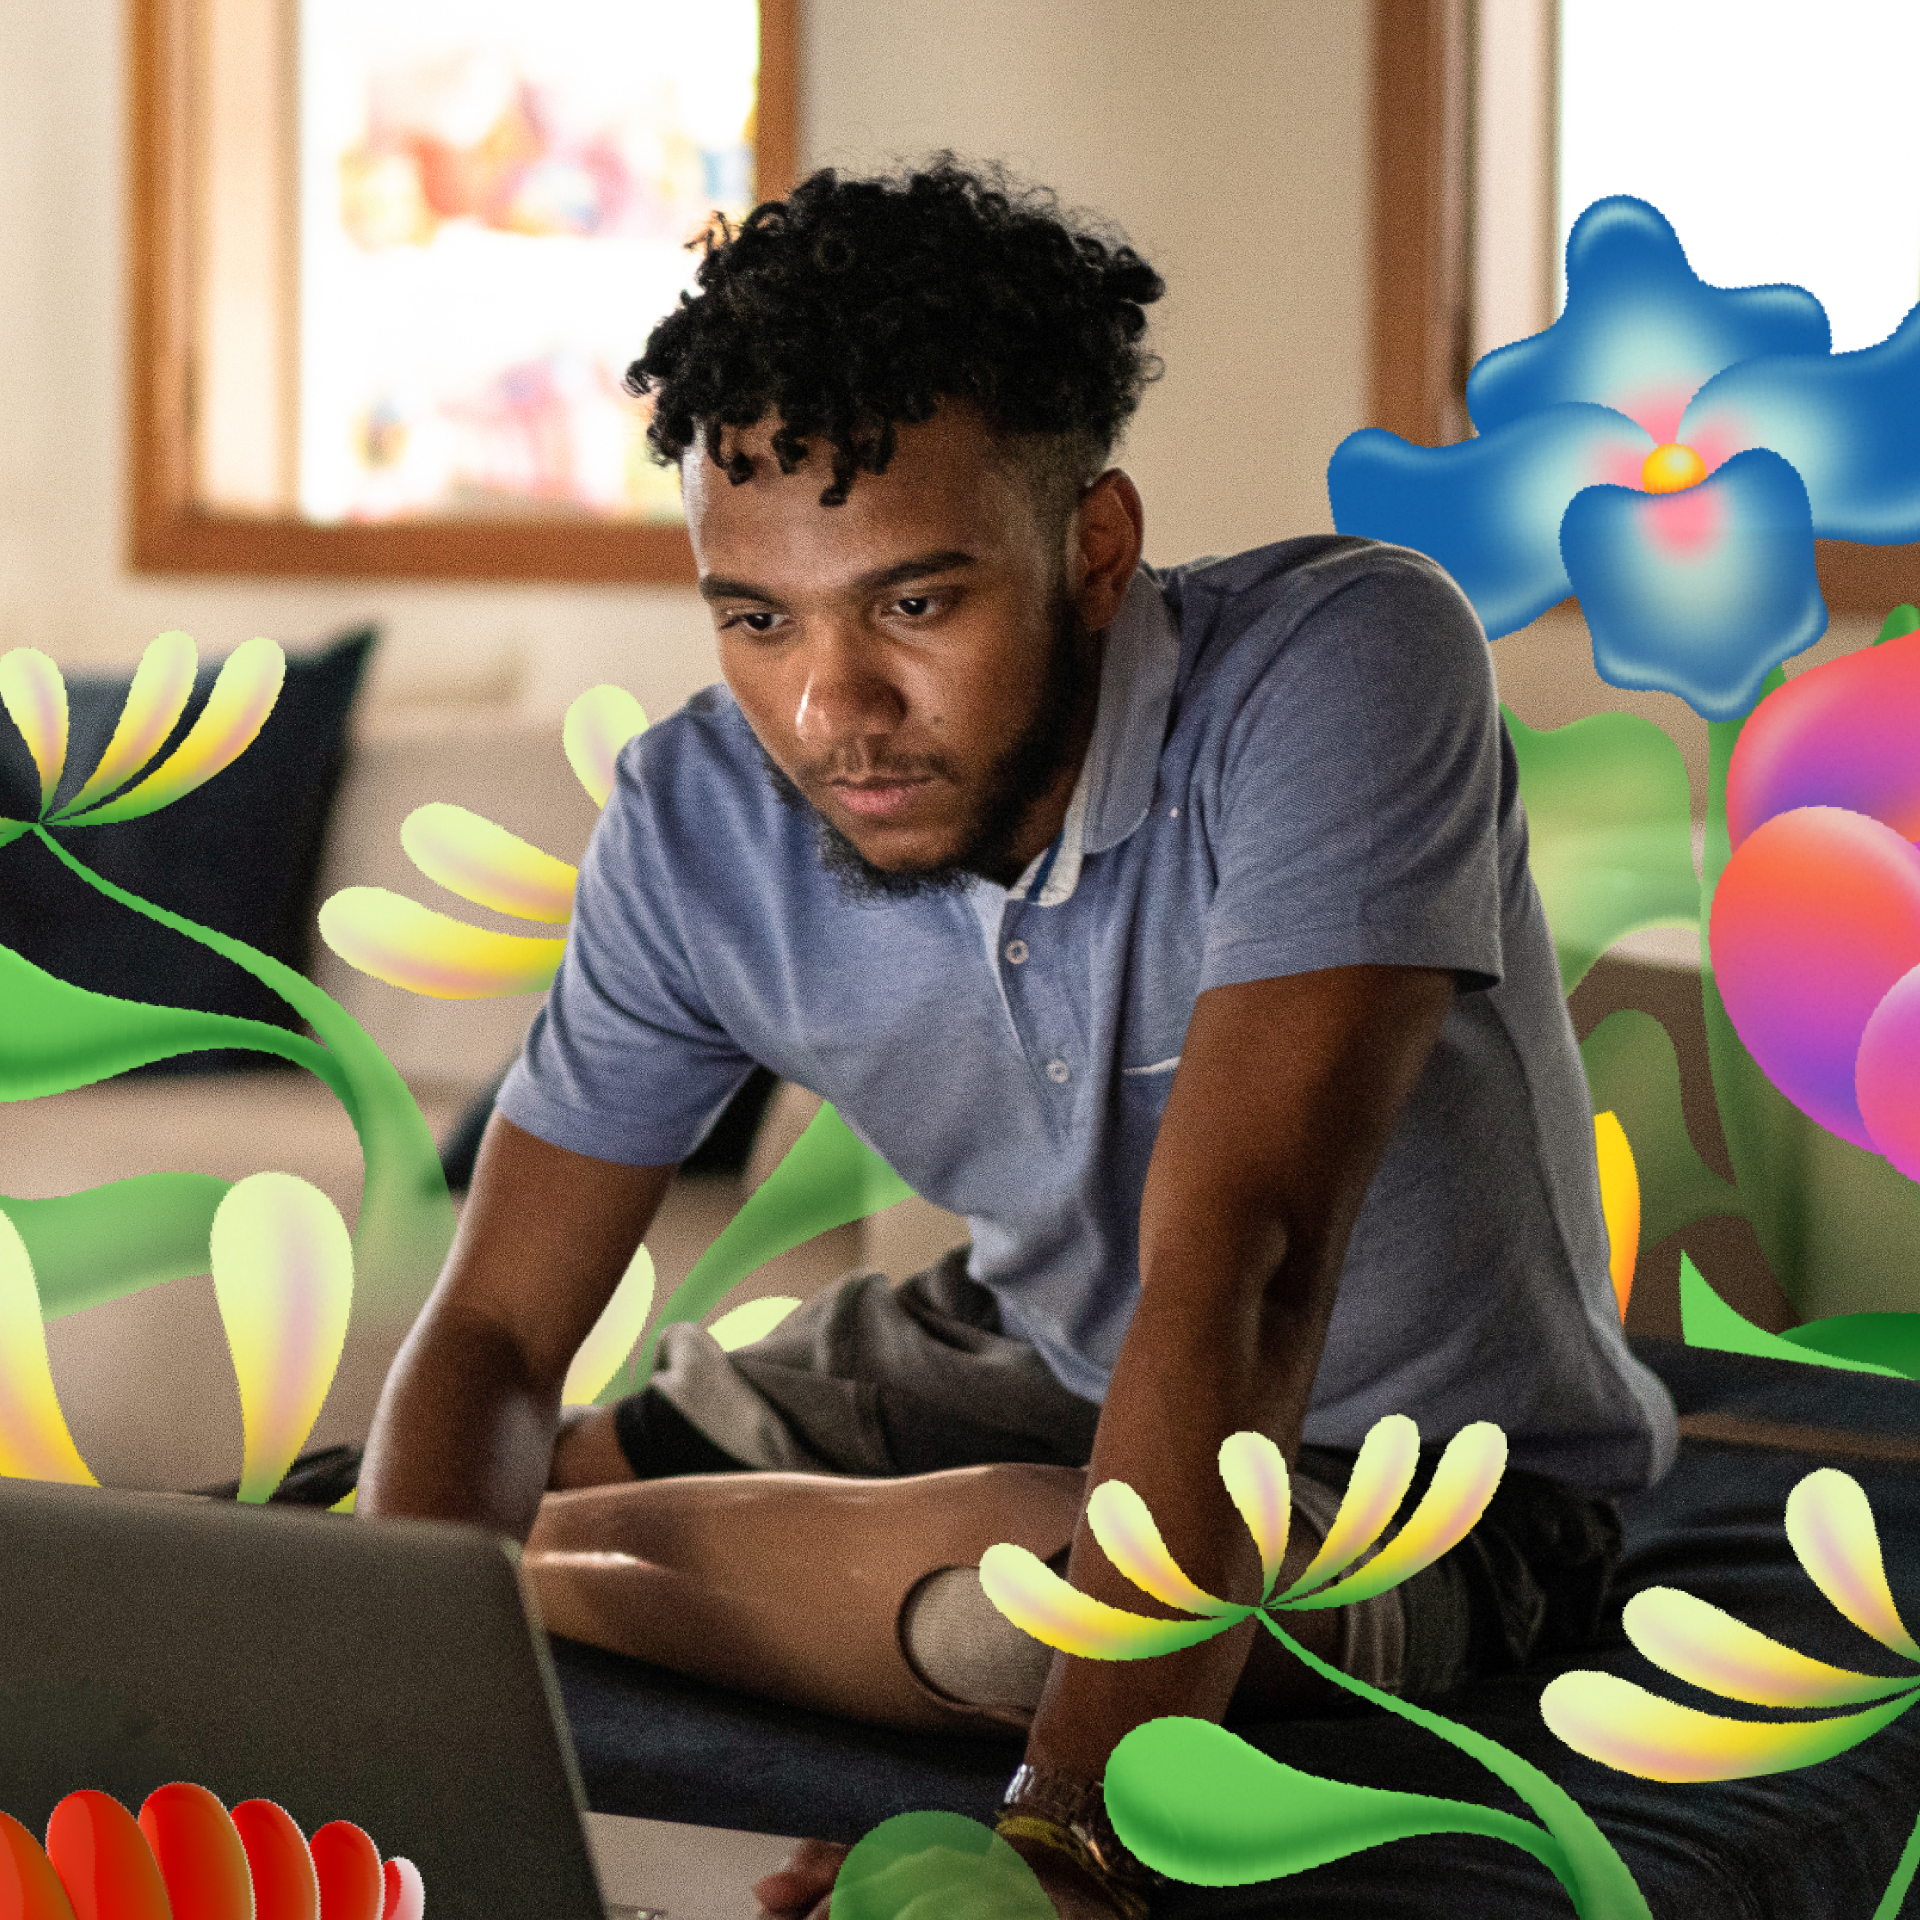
point(875, 1380)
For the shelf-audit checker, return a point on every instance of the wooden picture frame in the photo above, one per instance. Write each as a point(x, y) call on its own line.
point(170, 532)
point(1421, 274)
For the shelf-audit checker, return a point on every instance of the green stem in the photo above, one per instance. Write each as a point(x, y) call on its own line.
point(406, 1216)
point(1895, 1896)
point(1594, 1875)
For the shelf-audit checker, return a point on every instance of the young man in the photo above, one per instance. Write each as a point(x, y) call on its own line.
point(1174, 927)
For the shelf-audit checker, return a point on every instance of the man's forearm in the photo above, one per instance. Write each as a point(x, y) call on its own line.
point(460, 1433)
point(1196, 1365)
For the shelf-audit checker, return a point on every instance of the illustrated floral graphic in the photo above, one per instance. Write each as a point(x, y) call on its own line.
point(1197, 1802)
point(407, 945)
point(1667, 451)
point(35, 697)
point(1619, 1202)
point(1610, 1719)
point(282, 1266)
point(188, 1858)
point(1816, 920)
point(285, 1268)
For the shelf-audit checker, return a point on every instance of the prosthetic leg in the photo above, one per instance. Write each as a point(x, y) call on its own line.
point(806, 1587)
point(863, 1597)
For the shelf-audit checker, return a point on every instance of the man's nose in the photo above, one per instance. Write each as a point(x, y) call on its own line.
point(845, 692)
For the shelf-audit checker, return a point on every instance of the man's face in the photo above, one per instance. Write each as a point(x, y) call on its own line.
point(916, 663)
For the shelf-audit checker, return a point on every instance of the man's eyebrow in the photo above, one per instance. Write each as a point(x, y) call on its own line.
point(718, 587)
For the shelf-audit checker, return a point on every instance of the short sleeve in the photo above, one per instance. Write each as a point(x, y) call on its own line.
point(1356, 807)
point(626, 1061)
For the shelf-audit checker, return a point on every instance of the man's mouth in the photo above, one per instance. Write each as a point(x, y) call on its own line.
point(877, 799)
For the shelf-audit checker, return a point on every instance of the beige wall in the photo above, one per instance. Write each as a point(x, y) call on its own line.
point(1228, 138)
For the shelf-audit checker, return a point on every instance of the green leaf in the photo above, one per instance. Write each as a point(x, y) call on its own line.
point(11, 830)
point(828, 1179)
point(107, 1242)
point(1707, 1321)
point(1634, 1072)
point(1903, 619)
point(1882, 1339)
point(56, 1036)
point(1201, 1804)
point(936, 1866)
point(1610, 832)
point(1896, 1894)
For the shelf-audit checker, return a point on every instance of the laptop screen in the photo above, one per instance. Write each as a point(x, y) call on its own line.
point(386, 1673)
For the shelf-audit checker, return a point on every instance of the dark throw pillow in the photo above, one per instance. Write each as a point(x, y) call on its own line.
point(240, 854)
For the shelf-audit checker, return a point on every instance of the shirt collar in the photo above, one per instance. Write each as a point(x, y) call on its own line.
point(1110, 799)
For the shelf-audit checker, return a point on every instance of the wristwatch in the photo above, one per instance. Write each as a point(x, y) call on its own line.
point(1078, 1809)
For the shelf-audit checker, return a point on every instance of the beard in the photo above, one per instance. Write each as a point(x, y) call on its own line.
point(1017, 778)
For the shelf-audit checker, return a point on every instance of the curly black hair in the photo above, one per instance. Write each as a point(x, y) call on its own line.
point(855, 305)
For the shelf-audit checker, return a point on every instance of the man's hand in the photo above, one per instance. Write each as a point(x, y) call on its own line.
point(803, 1888)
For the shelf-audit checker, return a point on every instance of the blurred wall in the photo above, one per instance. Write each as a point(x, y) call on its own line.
point(1229, 141)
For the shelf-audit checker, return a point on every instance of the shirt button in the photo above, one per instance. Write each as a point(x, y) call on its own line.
point(1058, 1072)
point(1016, 952)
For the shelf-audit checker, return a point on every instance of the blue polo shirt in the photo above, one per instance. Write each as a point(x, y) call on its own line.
point(1298, 762)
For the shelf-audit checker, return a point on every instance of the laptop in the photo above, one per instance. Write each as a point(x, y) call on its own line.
point(391, 1673)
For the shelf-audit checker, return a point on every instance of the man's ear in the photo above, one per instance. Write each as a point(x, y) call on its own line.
point(1107, 534)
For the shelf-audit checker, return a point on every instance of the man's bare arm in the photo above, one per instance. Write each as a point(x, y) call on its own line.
point(465, 1425)
point(1287, 1094)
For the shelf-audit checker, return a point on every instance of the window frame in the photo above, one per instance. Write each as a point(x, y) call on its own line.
point(169, 532)
point(1422, 281)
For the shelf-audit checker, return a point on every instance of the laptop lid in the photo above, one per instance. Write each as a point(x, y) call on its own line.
point(383, 1672)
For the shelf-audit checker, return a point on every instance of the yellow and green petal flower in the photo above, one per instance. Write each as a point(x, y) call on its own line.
point(1696, 1642)
point(1625, 1727)
point(1039, 1602)
point(34, 1441)
point(1462, 1485)
point(751, 1321)
point(35, 696)
point(1381, 1476)
point(407, 945)
point(283, 1276)
point(620, 1324)
point(1255, 1472)
point(598, 724)
point(242, 697)
point(1619, 1202)
point(471, 856)
point(1128, 1537)
point(1830, 1527)
point(162, 685)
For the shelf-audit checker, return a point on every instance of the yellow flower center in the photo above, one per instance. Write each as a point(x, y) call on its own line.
point(1672, 468)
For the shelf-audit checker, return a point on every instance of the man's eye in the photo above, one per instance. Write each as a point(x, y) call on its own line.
point(915, 604)
point(746, 620)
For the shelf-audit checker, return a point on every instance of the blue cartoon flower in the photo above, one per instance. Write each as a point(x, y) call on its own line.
point(1666, 450)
